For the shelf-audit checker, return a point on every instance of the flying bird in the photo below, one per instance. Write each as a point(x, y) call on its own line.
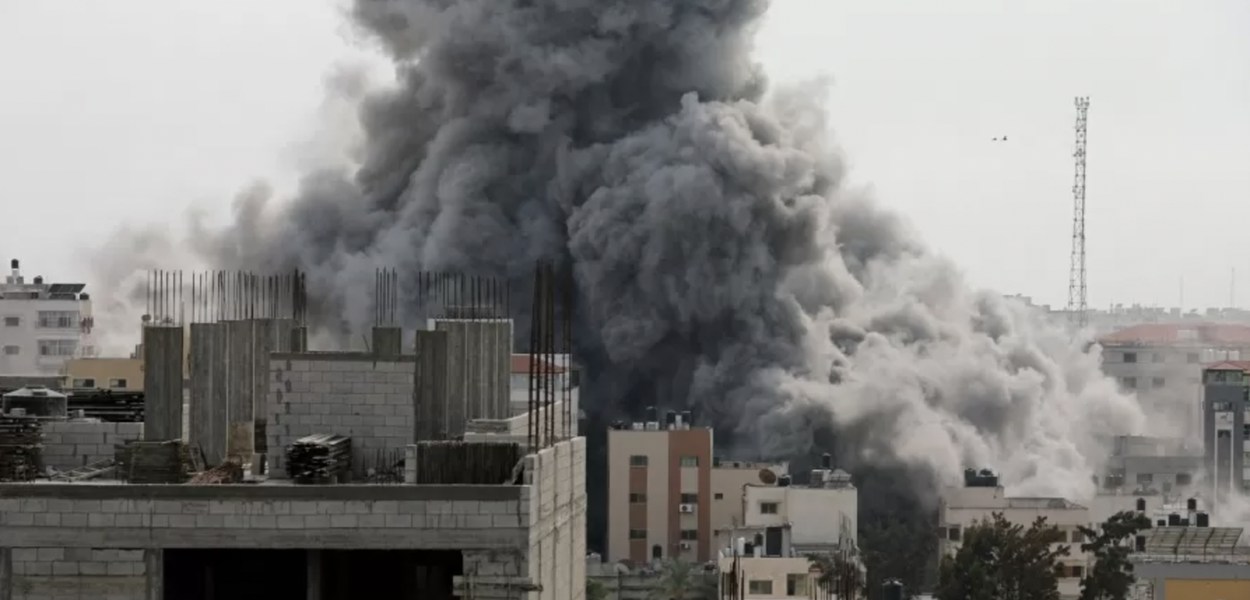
point(1002, 139)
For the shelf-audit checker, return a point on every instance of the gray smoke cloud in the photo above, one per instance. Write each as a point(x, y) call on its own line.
point(722, 263)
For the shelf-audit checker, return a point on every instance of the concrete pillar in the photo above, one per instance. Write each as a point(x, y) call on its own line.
point(479, 368)
point(240, 409)
point(218, 405)
point(6, 574)
point(314, 574)
point(430, 408)
point(162, 382)
point(206, 429)
point(388, 342)
point(154, 570)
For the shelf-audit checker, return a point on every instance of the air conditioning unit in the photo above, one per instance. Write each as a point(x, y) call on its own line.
point(686, 545)
point(686, 508)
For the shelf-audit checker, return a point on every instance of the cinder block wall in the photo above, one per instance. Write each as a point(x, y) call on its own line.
point(68, 444)
point(54, 573)
point(341, 393)
point(557, 557)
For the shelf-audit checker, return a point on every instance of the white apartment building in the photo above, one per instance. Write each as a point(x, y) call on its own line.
point(767, 553)
point(981, 497)
point(42, 325)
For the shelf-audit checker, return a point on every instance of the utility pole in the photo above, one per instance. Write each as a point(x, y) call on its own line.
point(1077, 297)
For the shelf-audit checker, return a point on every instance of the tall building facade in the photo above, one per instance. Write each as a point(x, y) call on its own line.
point(42, 325)
point(1226, 427)
point(659, 490)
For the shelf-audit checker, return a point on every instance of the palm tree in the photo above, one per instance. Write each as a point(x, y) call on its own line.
point(678, 580)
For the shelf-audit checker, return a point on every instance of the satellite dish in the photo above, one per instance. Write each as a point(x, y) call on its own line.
point(767, 477)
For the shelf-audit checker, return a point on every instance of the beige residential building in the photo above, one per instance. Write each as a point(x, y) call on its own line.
point(981, 497)
point(729, 480)
point(659, 486)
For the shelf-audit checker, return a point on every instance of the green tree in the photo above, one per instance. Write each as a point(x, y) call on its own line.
point(595, 589)
point(1110, 545)
point(679, 580)
point(1000, 560)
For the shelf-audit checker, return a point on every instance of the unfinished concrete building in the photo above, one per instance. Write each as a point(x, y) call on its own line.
point(419, 515)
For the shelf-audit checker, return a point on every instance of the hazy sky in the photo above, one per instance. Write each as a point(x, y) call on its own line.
point(133, 110)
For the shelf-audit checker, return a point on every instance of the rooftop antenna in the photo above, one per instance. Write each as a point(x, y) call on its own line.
point(1077, 296)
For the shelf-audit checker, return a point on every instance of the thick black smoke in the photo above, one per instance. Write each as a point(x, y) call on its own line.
point(721, 264)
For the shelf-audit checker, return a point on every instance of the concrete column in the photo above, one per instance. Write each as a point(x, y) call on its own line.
point(200, 362)
point(430, 387)
point(240, 411)
point(154, 569)
point(479, 368)
point(162, 382)
point(218, 405)
point(314, 574)
point(388, 342)
point(6, 574)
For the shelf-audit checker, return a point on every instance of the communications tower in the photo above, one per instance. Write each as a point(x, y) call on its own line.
point(1077, 300)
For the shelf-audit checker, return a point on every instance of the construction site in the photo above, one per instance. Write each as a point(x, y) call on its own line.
point(426, 467)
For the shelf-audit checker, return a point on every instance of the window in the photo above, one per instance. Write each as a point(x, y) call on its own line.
point(1245, 431)
point(58, 319)
point(1077, 536)
point(1129, 382)
point(1130, 357)
point(768, 508)
point(718, 496)
point(1158, 382)
point(84, 383)
point(637, 498)
point(57, 347)
point(953, 534)
point(1221, 406)
point(1224, 434)
point(1145, 478)
point(12, 350)
point(117, 384)
point(689, 498)
point(637, 534)
point(638, 460)
point(12, 321)
point(689, 534)
point(1076, 571)
point(796, 584)
point(1192, 358)
point(689, 461)
point(761, 587)
point(657, 551)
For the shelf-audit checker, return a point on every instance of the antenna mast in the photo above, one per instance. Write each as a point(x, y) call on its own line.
point(1077, 299)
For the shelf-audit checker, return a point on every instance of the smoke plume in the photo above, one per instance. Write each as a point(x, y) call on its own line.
point(721, 261)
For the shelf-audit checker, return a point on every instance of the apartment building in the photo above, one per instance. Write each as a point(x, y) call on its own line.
point(981, 497)
point(729, 482)
point(42, 325)
point(1162, 364)
point(1190, 560)
point(765, 557)
point(1155, 470)
point(1226, 427)
point(659, 483)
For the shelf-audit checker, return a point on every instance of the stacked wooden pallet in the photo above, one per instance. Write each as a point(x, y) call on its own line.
point(153, 462)
point(320, 459)
point(21, 449)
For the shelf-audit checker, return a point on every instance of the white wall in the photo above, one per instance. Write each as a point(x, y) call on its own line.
point(773, 570)
point(809, 510)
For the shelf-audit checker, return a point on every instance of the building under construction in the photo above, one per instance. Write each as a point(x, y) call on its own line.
point(401, 472)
